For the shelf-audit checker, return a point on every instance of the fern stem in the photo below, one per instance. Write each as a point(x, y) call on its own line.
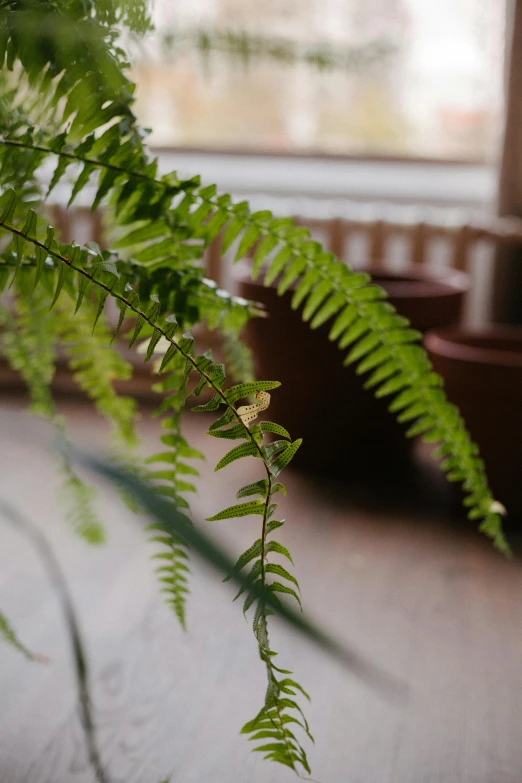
point(265, 520)
point(82, 159)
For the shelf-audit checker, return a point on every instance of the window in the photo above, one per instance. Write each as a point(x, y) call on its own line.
point(428, 83)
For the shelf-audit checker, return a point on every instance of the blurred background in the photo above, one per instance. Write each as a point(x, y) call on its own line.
point(424, 80)
point(386, 113)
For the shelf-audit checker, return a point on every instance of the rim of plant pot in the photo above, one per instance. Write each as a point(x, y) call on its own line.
point(412, 281)
point(417, 281)
point(496, 345)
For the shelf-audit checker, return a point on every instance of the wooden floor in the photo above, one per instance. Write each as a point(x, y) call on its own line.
point(432, 605)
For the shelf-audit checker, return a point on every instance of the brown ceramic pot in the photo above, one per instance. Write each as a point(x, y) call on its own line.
point(346, 430)
point(482, 371)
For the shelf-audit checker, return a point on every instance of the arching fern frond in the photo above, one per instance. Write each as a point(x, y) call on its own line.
point(381, 342)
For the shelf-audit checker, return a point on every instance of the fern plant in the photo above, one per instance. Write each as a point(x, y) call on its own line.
point(67, 119)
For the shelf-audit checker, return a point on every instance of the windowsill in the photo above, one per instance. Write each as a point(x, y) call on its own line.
point(402, 181)
point(315, 155)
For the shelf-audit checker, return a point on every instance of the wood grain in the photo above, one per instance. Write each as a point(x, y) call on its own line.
point(433, 605)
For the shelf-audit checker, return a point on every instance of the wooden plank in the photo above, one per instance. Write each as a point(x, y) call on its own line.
point(434, 605)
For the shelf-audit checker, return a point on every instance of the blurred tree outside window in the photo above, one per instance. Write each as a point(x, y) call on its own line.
point(425, 82)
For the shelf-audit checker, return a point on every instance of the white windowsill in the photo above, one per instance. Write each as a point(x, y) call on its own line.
point(468, 186)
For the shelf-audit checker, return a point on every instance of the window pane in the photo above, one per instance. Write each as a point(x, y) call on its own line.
point(427, 80)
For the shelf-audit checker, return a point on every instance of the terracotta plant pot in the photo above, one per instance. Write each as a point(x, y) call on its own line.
point(482, 371)
point(346, 430)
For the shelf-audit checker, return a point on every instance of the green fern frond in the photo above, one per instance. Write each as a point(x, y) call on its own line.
point(380, 341)
point(279, 710)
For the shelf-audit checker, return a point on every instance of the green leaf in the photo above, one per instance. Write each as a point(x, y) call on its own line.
point(212, 405)
point(275, 568)
point(232, 433)
point(270, 426)
point(81, 181)
point(8, 202)
point(264, 248)
point(374, 359)
point(152, 344)
point(385, 370)
point(63, 270)
point(256, 488)
point(362, 348)
point(140, 323)
point(275, 546)
point(248, 602)
point(254, 551)
point(353, 333)
point(270, 449)
point(226, 418)
point(28, 230)
point(102, 297)
point(284, 458)
point(83, 287)
point(4, 277)
point(291, 274)
point(277, 587)
point(393, 385)
point(171, 353)
point(240, 510)
point(122, 307)
point(343, 321)
point(248, 239)
point(59, 171)
point(277, 264)
point(330, 307)
point(316, 298)
point(253, 576)
point(274, 524)
point(232, 231)
point(304, 287)
point(243, 450)
point(236, 393)
point(288, 683)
